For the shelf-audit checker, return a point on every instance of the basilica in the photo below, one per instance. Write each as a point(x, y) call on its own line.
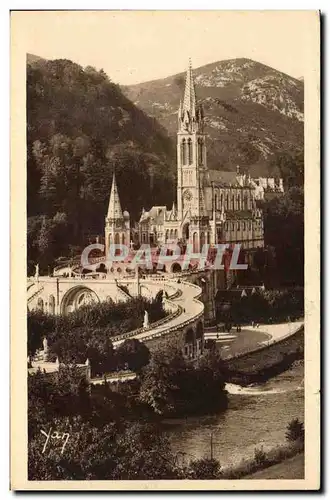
point(212, 206)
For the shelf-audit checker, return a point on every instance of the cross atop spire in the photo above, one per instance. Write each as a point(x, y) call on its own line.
point(114, 210)
point(189, 100)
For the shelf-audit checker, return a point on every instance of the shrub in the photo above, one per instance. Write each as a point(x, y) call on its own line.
point(204, 468)
point(260, 456)
point(295, 431)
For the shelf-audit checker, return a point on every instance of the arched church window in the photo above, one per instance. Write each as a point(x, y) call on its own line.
point(200, 151)
point(221, 200)
point(245, 203)
point(190, 154)
point(227, 202)
point(195, 242)
point(233, 202)
point(238, 202)
point(202, 240)
point(40, 304)
point(183, 152)
point(216, 202)
point(51, 304)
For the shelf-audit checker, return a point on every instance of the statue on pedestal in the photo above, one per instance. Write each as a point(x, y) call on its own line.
point(45, 346)
point(36, 274)
point(146, 320)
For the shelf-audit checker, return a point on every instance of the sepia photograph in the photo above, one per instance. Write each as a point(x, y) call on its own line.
point(165, 204)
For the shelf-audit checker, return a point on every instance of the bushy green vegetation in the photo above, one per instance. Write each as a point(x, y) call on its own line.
point(108, 435)
point(88, 332)
point(80, 128)
point(266, 306)
point(295, 431)
point(172, 386)
point(284, 221)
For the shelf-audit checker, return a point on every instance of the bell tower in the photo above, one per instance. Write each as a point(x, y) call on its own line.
point(117, 222)
point(191, 151)
point(191, 157)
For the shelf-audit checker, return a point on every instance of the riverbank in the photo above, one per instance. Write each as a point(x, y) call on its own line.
point(291, 468)
point(256, 417)
point(269, 359)
point(262, 461)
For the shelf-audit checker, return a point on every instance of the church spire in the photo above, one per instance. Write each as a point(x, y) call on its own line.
point(189, 100)
point(114, 210)
point(190, 115)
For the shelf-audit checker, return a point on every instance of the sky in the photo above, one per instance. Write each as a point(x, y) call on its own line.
point(137, 46)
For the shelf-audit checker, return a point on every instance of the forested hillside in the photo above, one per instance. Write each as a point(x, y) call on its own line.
point(80, 128)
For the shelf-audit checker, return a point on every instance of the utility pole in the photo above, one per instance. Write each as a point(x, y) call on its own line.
point(211, 443)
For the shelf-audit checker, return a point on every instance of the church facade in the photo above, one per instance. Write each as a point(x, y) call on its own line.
point(212, 206)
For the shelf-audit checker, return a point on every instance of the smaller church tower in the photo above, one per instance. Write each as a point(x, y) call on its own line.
point(117, 222)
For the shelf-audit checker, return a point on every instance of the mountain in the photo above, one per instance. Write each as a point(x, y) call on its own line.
point(251, 111)
point(80, 128)
point(32, 58)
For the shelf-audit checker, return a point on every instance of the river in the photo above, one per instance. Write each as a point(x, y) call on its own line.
point(256, 416)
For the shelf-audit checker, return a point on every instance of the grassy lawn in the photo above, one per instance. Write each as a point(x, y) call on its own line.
point(245, 341)
point(292, 468)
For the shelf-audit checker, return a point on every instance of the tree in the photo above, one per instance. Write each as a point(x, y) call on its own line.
point(170, 385)
point(289, 166)
point(133, 353)
point(284, 230)
point(80, 127)
point(204, 468)
point(295, 431)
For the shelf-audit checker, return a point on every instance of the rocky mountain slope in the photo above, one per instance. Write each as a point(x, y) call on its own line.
point(252, 111)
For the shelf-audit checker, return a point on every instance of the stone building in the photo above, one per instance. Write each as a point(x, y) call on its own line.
point(212, 206)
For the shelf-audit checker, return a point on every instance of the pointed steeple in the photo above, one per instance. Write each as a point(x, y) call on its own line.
point(114, 210)
point(189, 100)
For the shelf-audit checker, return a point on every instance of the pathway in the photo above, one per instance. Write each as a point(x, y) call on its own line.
point(190, 309)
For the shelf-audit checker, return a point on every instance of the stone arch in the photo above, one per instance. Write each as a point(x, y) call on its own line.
point(167, 234)
point(176, 268)
point(117, 239)
point(175, 234)
point(190, 342)
point(76, 297)
point(189, 336)
point(171, 234)
point(199, 330)
point(40, 304)
point(51, 304)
